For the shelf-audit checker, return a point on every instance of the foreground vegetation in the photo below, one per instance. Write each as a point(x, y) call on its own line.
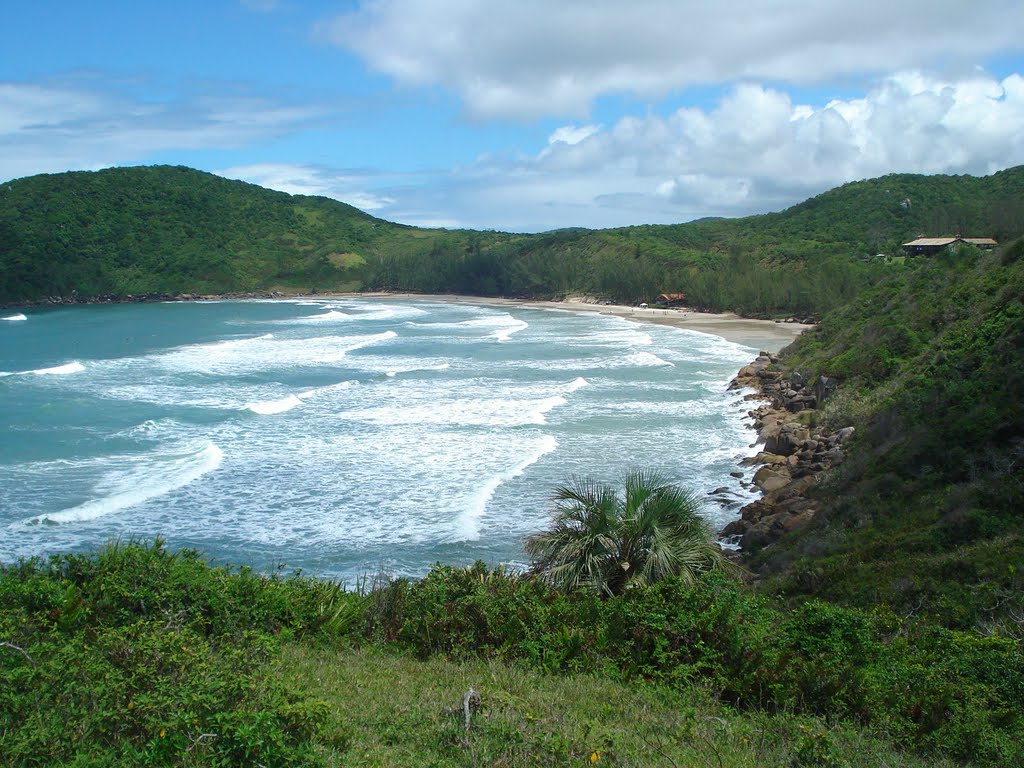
point(138, 656)
point(151, 229)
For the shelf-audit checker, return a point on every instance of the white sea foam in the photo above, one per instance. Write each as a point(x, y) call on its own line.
point(387, 312)
point(235, 343)
point(467, 525)
point(621, 334)
point(411, 369)
point(460, 412)
point(264, 353)
point(60, 370)
point(270, 407)
point(320, 392)
point(505, 333)
point(646, 360)
point(146, 478)
point(329, 316)
point(14, 318)
point(579, 383)
point(151, 428)
point(365, 341)
point(502, 326)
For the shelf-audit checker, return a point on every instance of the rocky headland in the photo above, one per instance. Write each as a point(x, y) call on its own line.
point(794, 451)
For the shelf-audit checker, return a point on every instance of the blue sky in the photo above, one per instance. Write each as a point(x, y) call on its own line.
point(521, 115)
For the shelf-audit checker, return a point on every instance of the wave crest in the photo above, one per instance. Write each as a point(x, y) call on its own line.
point(151, 477)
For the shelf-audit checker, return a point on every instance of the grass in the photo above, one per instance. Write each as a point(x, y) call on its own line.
point(388, 709)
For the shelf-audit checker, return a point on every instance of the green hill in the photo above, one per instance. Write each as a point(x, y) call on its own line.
point(170, 229)
point(134, 230)
point(928, 515)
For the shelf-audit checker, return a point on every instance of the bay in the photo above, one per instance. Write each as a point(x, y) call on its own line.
point(344, 436)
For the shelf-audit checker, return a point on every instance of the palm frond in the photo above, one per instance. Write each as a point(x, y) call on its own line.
point(604, 541)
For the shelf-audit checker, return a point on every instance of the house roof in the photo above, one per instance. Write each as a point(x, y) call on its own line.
point(933, 241)
point(941, 242)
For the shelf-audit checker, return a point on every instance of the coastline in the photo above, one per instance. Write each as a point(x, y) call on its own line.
point(763, 335)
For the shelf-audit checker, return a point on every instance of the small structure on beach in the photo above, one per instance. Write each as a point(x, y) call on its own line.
point(672, 299)
point(928, 246)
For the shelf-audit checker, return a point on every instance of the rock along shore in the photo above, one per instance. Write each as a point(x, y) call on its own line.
point(794, 451)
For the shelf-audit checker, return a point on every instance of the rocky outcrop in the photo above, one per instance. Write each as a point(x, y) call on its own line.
point(794, 451)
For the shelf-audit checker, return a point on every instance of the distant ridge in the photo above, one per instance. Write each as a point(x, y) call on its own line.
point(177, 230)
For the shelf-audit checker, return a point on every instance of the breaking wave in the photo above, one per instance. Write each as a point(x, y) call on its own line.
point(148, 478)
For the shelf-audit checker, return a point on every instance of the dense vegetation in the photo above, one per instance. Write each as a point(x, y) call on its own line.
point(928, 516)
point(610, 540)
point(139, 656)
point(135, 230)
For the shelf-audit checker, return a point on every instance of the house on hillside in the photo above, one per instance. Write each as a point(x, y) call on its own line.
point(928, 246)
point(672, 299)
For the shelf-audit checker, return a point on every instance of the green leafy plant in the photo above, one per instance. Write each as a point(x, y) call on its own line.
point(607, 541)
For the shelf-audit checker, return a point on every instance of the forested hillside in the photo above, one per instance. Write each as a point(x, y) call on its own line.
point(928, 515)
point(145, 229)
point(134, 230)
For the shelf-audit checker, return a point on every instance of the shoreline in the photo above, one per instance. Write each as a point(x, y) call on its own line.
point(762, 335)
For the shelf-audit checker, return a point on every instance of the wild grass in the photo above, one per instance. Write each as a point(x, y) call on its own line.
point(388, 709)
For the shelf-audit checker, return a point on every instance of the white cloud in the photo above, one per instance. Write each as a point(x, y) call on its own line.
point(82, 124)
point(572, 134)
point(349, 187)
point(754, 151)
point(533, 58)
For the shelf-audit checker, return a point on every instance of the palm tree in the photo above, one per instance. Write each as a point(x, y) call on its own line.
point(605, 541)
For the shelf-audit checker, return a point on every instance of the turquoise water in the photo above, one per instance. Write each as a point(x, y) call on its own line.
point(343, 436)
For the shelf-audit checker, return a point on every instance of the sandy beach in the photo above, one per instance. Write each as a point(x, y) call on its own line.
point(764, 335)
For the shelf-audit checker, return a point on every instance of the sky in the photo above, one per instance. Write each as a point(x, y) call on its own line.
point(518, 115)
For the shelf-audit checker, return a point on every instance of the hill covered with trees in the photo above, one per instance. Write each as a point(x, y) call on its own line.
point(170, 229)
point(927, 516)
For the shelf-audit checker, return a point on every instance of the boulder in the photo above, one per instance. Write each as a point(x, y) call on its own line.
point(823, 387)
point(770, 479)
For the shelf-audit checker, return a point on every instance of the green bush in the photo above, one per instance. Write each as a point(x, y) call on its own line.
point(140, 656)
point(931, 689)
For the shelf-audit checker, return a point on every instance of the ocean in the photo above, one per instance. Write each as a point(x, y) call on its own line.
point(345, 437)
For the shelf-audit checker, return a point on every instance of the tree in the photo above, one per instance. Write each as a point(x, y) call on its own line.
point(606, 541)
